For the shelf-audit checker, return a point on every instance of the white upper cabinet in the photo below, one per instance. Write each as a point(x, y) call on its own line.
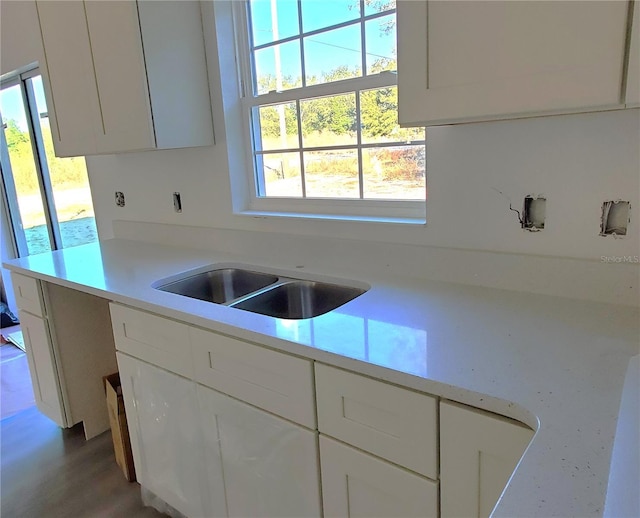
point(125, 76)
point(463, 61)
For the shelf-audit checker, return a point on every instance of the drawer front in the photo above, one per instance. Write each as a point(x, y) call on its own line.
point(273, 381)
point(357, 485)
point(27, 293)
point(394, 423)
point(157, 340)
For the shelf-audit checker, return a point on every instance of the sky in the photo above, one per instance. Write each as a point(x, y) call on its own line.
point(323, 52)
point(12, 107)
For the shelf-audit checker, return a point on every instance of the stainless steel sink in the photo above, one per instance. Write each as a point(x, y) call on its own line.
point(265, 293)
point(220, 286)
point(299, 299)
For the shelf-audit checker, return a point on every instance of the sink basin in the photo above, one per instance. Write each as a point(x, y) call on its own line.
point(299, 299)
point(220, 286)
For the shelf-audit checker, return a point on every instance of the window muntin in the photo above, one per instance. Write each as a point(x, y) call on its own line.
point(323, 108)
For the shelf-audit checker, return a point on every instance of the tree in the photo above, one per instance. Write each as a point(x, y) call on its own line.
point(14, 135)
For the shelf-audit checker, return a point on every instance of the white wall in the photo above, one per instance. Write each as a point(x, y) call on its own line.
point(20, 42)
point(576, 161)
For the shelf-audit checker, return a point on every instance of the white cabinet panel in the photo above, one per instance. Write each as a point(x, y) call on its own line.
point(394, 423)
point(467, 60)
point(28, 295)
point(69, 81)
point(268, 379)
point(478, 453)
point(270, 465)
point(357, 485)
point(120, 76)
point(42, 367)
point(166, 439)
point(151, 338)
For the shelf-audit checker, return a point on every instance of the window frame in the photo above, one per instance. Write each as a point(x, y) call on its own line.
point(370, 209)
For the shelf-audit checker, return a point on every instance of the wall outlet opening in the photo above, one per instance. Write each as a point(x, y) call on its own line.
point(177, 202)
point(534, 213)
point(615, 218)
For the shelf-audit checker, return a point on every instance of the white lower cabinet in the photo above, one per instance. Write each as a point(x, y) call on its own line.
point(42, 366)
point(166, 438)
point(358, 485)
point(478, 453)
point(266, 466)
point(253, 451)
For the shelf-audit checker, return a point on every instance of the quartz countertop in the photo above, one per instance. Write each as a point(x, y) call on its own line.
point(554, 363)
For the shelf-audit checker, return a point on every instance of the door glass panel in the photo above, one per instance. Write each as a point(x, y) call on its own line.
point(69, 181)
point(31, 217)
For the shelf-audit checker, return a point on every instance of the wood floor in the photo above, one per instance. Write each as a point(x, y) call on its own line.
point(16, 393)
point(50, 472)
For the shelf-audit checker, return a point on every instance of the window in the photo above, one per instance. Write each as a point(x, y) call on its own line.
point(48, 198)
point(320, 100)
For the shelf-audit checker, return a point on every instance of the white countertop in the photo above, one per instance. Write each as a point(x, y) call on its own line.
point(554, 363)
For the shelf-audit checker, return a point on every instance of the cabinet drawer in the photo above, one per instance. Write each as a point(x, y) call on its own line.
point(276, 382)
point(394, 423)
point(27, 292)
point(151, 338)
point(355, 484)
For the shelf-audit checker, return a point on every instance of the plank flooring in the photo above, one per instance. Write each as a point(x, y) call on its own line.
point(51, 472)
point(16, 392)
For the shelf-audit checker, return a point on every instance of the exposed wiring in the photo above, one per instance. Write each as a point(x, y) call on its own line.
point(510, 205)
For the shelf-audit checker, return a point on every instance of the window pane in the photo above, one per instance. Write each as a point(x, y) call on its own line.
point(25, 177)
point(378, 6)
point(278, 127)
point(380, 34)
point(331, 174)
point(329, 121)
point(266, 28)
point(394, 172)
point(70, 183)
point(318, 14)
point(278, 67)
point(333, 55)
point(379, 118)
point(281, 172)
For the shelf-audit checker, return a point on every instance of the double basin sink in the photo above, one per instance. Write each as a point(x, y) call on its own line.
point(265, 293)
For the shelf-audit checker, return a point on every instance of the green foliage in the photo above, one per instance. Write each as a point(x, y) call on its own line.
point(65, 172)
point(335, 114)
point(13, 135)
point(379, 112)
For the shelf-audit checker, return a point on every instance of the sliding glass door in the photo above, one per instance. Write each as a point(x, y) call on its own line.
point(48, 198)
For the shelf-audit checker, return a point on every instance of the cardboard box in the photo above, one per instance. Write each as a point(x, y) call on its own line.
point(119, 429)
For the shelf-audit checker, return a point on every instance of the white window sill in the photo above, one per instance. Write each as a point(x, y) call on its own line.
point(331, 217)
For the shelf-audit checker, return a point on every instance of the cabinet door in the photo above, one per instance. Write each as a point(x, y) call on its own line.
point(394, 423)
point(478, 453)
point(69, 80)
point(42, 367)
point(116, 45)
point(355, 484)
point(270, 465)
point(165, 436)
point(469, 60)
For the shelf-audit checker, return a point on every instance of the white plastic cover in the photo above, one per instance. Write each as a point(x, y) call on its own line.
point(269, 465)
